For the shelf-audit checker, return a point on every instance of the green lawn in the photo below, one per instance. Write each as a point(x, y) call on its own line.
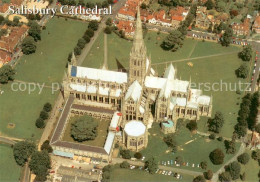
point(102, 129)
point(192, 147)
point(128, 175)
point(209, 70)
point(10, 171)
point(47, 65)
point(251, 169)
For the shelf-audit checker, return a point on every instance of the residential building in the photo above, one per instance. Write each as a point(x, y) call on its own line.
point(256, 25)
point(10, 42)
point(126, 26)
point(178, 15)
point(242, 28)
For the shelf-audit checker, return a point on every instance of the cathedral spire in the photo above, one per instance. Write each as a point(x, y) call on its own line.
point(138, 37)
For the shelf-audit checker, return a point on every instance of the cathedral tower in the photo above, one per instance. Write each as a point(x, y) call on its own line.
point(138, 66)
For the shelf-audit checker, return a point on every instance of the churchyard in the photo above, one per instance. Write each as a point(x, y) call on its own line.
point(10, 171)
point(47, 66)
point(187, 144)
point(102, 131)
point(203, 62)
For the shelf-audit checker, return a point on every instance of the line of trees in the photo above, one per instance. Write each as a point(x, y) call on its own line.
point(246, 55)
point(29, 43)
point(85, 39)
point(39, 161)
point(247, 114)
point(44, 115)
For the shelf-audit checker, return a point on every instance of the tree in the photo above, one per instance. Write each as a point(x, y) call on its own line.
point(204, 165)
point(89, 32)
point(6, 74)
point(192, 125)
point(256, 154)
point(40, 123)
point(47, 107)
point(93, 25)
point(22, 151)
point(109, 22)
point(212, 136)
point(84, 128)
point(77, 50)
point(81, 43)
point(28, 46)
point(226, 38)
point(126, 154)
point(243, 158)
point(199, 178)
point(251, 120)
point(69, 57)
point(35, 30)
point(16, 20)
point(152, 165)
point(225, 177)
point(1, 19)
point(208, 174)
point(233, 13)
point(216, 123)
point(217, 156)
point(173, 41)
point(46, 146)
point(125, 165)
point(39, 164)
point(241, 130)
point(234, 170)
point(170, 141)
point(138, 155)
point(243, 176)
point(209, 4)
point(108, 30)
point(44, 115)
point(86, 38)
point(230, 146)
point(143, 6)
point(246, 54)
point(242, 71)
point(257, 128)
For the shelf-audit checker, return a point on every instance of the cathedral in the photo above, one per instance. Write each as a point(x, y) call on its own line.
point(140, 95)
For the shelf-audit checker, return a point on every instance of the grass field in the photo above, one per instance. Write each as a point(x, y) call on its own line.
point(102, 129)
point(188, 144)
point(22, 108)
point(251, 169)
point(10, 171)
point(47, 65)
point(127, 175)
point(212, 65)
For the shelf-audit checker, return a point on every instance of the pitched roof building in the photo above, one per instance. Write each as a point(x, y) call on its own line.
point(256, 25)
point(10, 41)
point(242, 28)
point(133, 94)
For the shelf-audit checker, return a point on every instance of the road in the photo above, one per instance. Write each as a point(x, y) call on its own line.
point(101, 27)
